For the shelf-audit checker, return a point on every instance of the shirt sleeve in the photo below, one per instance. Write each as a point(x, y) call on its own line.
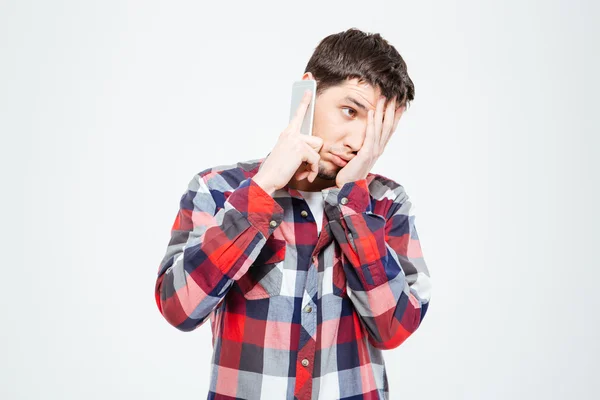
point(389, 282)
point(213, 243)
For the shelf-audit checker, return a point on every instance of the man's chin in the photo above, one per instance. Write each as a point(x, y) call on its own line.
point(328, 176)
point(328, 171)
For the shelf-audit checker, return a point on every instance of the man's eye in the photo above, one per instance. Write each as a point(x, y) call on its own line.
point(350, 109)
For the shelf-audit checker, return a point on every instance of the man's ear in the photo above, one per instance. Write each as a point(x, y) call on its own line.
point(308, 75)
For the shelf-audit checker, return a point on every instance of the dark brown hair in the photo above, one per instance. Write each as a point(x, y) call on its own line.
point(366, 56)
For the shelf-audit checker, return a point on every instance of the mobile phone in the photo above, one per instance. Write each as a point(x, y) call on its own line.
point(298, 89)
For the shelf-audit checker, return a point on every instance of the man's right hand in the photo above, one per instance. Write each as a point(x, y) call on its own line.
point(292, 150)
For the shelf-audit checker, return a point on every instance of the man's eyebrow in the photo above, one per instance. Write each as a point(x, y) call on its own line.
point(360, 105)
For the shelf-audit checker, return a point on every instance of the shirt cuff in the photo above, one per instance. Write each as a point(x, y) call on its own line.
point(258, 206)
point(352, 198)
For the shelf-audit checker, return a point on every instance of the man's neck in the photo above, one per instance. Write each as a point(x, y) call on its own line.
point(316, 186)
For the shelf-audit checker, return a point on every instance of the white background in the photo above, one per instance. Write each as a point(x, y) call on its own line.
point(107, 109)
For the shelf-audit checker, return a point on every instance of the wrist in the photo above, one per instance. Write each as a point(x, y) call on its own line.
point(260, 181)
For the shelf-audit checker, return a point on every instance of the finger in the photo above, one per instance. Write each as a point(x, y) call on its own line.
point(368, 143)
point(379, 117)
point(300, 112)
point(302, 171)
point(312, 158)
point(397, 117)
point(301, 175)
point(313, 141)
point(388, 121)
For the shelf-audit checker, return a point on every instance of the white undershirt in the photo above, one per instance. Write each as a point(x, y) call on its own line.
point(315, 203)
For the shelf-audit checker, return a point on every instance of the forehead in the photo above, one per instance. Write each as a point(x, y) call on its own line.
point(356, 88)
point(359, 90)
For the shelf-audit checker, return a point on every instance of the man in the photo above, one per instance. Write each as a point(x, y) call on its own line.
point(307, 264)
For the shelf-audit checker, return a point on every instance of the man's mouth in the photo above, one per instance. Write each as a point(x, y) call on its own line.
point(340, 162)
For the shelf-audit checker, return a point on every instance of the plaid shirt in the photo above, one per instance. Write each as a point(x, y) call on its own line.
point(294, 314)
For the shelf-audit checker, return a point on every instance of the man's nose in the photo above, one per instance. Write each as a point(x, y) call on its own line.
point(354, 140)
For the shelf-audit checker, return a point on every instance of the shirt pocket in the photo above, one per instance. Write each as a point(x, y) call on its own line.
point(265, 276)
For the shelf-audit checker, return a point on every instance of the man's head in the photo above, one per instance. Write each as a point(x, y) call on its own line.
point(352, 69)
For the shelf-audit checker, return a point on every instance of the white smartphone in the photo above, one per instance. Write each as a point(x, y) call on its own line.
point(298, 89)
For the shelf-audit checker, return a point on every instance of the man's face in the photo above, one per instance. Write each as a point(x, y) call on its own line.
point(341, 121)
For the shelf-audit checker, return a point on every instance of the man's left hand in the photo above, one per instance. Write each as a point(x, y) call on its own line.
point(380, 127)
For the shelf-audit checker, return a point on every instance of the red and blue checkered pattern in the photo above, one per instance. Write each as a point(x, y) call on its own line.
point(294, 314)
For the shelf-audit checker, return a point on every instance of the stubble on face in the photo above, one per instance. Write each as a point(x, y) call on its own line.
point(326, 173)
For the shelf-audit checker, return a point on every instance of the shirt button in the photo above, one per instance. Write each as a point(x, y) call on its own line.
point(305, 362)
point(273, 223)
point(308, 308)
point(304, 213)
point(344, 200)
